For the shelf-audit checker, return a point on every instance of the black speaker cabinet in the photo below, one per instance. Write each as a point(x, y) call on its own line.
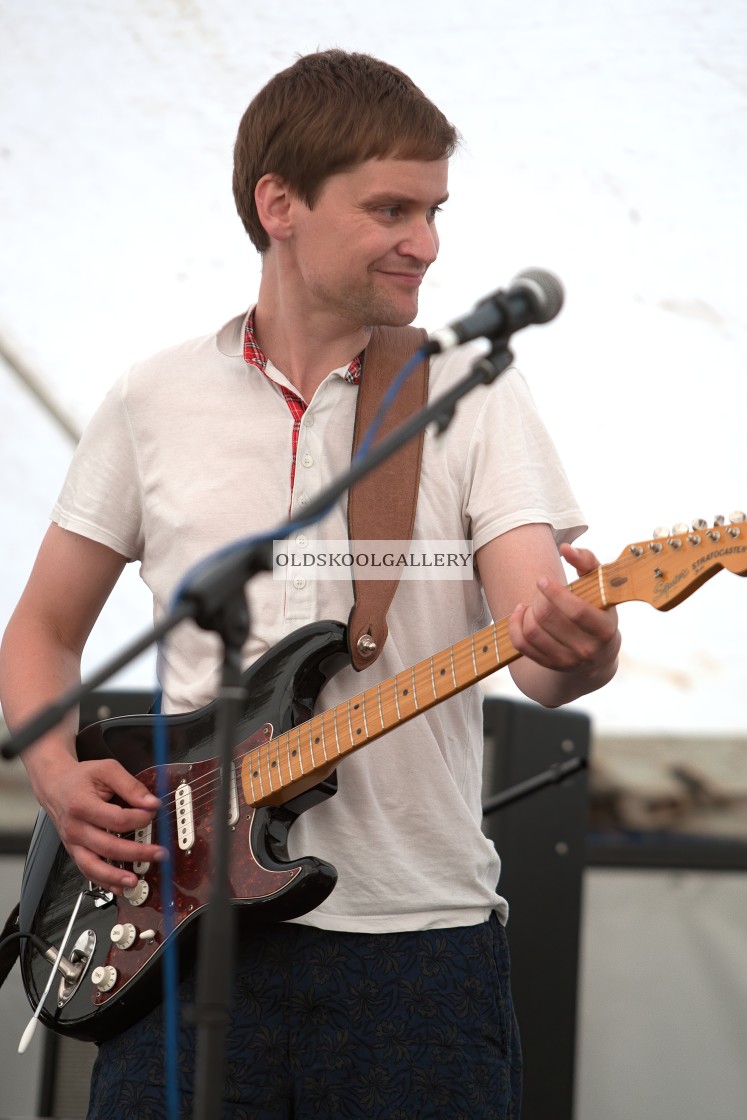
point(536, 811)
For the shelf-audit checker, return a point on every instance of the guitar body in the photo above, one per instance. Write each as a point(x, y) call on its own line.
point(282, 688)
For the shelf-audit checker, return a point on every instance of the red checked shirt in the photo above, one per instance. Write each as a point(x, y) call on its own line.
point(253, 356)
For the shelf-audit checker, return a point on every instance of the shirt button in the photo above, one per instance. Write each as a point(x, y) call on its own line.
point(301, 542)
point(304, 500)
point(308, 421)
point(299, 583)
point(307, 461)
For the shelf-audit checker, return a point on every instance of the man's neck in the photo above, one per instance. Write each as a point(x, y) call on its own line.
point(305, 346)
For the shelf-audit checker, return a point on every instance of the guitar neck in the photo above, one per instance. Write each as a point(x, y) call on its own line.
point(273, 768)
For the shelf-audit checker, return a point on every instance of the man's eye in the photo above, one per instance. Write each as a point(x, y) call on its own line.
point(389, 211)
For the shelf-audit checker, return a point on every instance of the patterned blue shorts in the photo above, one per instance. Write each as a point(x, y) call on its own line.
point(332, 1026)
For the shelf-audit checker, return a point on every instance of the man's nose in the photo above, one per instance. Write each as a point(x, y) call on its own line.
point(421, 242)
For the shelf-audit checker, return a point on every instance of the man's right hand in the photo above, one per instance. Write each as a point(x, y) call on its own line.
point(96, 830)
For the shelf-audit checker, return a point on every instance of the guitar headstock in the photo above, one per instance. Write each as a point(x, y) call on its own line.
point(672, 565)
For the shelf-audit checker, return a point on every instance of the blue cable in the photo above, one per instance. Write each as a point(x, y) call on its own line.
point(170, 963)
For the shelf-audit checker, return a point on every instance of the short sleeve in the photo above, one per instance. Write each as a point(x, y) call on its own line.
point(101, 495)
point(514, 475)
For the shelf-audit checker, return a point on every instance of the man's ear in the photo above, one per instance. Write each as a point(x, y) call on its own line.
point(274, 202)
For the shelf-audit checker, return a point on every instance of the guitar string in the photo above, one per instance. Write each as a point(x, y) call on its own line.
point(205, 788)
point(202, 790)
point(586, 587)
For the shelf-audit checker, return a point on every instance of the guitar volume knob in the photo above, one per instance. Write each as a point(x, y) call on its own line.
point(104, 977)
point(137, 894)
point(123, 935)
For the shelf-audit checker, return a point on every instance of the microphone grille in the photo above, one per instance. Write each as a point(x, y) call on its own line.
point(546, 289)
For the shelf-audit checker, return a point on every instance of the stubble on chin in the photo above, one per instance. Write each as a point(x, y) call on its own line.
point(379, 311)
point(369, 306)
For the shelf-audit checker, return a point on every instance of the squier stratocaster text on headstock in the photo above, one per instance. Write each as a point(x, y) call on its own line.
point(670, 567)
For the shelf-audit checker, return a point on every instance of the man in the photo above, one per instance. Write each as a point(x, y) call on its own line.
point(391, 998)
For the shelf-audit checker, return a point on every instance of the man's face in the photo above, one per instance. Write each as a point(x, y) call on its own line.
point(362, 251)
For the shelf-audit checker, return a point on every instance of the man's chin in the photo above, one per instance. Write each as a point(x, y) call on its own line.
point(393, 315)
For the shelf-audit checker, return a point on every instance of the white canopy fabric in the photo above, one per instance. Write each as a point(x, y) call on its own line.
point(603, 142)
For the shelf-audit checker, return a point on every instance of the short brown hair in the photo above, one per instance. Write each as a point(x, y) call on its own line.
point(324, 114)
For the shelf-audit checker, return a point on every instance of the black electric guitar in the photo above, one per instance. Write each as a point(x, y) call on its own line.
point(283, 763)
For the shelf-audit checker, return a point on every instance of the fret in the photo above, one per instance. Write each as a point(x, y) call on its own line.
point(389, 718)
point(414, 690)
point(294, 750)
point(431, 664)
point(495, 645)
point(337, 737)
point(316, 739)
point(308, 729)
point(351, 733)
point(272, 764)
point(378, 704)
point(286, 744)
point(396, 697)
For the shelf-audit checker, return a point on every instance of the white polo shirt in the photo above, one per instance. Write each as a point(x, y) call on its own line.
point(190, 451)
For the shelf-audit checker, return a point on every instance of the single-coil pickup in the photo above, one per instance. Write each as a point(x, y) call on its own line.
point(233, 799)
point(142, 836)
point(185, 826)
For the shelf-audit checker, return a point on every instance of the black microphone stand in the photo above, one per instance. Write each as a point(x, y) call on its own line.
point(553, 775)
point(215, 599)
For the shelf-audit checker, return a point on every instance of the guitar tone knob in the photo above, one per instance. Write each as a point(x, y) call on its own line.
point(137, 894)
point(123, 935)
point(104, 977)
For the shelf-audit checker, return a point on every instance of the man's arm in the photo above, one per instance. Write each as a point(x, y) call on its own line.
point(39, 659)
point(570, 647)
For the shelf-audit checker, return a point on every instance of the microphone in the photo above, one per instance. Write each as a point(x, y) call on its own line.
point(535, 296)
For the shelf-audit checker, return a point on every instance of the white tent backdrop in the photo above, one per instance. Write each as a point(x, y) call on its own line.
point(605, 142)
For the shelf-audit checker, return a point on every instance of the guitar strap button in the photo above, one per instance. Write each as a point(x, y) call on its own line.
point(366, 646)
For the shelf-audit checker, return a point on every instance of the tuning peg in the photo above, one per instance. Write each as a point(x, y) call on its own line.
point(736, 518)
point(660, 532)
point(699, 524)
point(679, 528)
point(719, 519)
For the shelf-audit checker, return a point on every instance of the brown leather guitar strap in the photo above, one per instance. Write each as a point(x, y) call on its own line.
point(381, 506)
